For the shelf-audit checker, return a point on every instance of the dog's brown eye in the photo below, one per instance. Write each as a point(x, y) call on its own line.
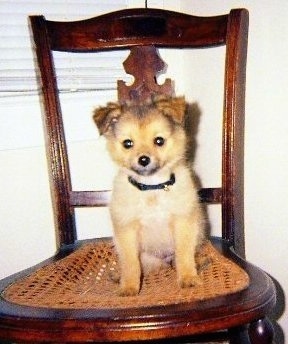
point(159, 141)
point(127, 144)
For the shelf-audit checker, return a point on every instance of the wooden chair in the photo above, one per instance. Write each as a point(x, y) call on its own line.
point(24, 315)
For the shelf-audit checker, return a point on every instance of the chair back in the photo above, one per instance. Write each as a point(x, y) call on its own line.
point(143, 31)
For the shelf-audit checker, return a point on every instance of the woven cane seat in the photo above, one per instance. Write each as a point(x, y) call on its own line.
point(83, 280)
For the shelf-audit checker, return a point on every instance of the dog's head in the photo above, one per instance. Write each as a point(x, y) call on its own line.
point(145, 137)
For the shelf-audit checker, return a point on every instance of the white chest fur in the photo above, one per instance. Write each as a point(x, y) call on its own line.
point(153, 210)
point(155, 233)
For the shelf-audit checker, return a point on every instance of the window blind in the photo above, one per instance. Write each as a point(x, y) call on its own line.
point(76, 71)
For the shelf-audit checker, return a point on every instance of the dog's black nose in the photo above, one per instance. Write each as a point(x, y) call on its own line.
point(144, 160)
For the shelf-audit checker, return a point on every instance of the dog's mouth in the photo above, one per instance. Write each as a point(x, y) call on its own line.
point(145, 171)
point(145, 165)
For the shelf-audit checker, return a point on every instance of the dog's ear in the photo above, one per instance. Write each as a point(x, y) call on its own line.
point(173, 107)
point(105, 117)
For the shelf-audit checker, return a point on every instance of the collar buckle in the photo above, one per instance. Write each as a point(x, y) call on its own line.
point(166, 188)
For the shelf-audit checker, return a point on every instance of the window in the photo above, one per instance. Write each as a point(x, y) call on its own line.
point(17, 66)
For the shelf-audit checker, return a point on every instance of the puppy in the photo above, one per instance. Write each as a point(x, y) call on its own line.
point(154, 207)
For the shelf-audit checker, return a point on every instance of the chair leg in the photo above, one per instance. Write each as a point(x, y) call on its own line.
point(239, 335)
point(261, 332)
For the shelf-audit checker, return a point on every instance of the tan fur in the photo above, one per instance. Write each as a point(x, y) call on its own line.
point(155, 226)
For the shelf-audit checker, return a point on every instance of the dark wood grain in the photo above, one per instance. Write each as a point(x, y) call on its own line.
point(233, 132)
point(144, 64)
point(102, 198)
point(59, 173)
point(138, 27)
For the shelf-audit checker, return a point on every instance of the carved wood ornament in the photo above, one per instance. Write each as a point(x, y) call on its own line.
point(144, 64)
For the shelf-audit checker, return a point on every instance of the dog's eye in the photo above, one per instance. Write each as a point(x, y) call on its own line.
point(128, 144)
point(159, 141)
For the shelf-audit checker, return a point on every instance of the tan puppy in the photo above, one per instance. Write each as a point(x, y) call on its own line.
point(154, 208)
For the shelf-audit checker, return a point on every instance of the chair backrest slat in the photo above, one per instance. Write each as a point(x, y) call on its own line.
point(127, 28)
point(90, 198)
point(102, 198)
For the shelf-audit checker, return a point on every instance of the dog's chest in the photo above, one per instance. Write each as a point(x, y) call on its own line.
point(155, 223)
point(155, 207)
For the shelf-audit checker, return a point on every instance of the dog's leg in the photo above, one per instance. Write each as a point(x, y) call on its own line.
point(186, 237)
point(128, 250)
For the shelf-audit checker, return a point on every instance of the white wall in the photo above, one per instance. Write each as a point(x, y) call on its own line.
point(25, 208)
point(266, 165)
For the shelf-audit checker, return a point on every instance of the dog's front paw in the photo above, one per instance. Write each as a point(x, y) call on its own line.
point(188, 281)
point(128, 290)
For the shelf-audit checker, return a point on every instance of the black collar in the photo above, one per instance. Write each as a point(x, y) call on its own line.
point(145, 187)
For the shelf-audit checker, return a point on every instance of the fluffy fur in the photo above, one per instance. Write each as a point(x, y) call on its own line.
point(152, 228)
